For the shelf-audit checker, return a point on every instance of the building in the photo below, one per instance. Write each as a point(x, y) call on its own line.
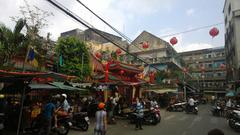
point(159, 53)
point(94, 41)
point(231, 12)
point(207, 68)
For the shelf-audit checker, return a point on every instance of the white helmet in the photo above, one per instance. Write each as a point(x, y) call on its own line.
point(64, 95)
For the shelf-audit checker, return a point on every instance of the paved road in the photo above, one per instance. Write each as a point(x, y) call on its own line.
point(173, 123)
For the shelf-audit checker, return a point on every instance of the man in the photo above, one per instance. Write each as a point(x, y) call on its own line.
point(140, 114)
point(191, 103)
point(48, 114)
point(101, 120)
point(215, 132)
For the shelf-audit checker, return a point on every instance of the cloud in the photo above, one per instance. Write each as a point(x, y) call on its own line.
point(190, 12)
point(144, 7)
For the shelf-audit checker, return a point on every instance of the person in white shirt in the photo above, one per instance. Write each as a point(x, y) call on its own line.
point(191, 103)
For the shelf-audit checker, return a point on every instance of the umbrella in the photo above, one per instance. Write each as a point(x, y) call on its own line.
point(231, 94)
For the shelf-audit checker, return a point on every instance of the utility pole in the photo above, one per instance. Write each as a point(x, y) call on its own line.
point(184, 87)
point(82, 62)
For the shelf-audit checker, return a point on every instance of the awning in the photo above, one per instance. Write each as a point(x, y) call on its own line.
point(62, 86)
point(160, 91)
point(41, 86)
point(214, 91)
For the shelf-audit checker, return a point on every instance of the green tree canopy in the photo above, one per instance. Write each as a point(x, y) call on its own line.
point(73, 51)
point(11, 41)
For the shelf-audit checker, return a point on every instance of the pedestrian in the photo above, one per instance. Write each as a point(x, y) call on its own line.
point(101, 120)
point(140, 114)
point(215, 132)
point(47, 117)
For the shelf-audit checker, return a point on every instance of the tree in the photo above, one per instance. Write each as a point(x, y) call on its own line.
point(11, 41)
point(75, 57)
point(35, 21)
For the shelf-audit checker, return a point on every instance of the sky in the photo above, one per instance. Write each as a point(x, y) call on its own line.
point(131, 17)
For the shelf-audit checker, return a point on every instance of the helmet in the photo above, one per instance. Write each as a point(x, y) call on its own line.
point(101, 105)
point(64, 95)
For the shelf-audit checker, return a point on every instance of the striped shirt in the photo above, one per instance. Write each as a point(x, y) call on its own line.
point(100, 115)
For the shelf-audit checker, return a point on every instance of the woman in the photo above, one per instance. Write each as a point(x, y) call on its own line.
point(101, 120)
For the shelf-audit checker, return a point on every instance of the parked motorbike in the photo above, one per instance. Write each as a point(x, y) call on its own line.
point(81, 120)
point(216, 110)
point(191, 109)
point(151, 117)
point(178, 107)
point(63, 125)
point(1, 122)
point(234, 120)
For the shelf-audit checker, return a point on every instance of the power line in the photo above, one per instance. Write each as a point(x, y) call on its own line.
point(86, 24)
point(113, 28)
point(191, 30)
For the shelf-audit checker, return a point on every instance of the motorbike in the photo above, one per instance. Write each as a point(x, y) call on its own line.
point(234, 120)
point(216, 110)
point(178, 107)
point(1, 122)
point(191, 109)
point(80, 120)
point(63, 125)
point(151, 117)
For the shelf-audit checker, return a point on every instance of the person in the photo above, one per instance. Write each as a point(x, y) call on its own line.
point(66, 105)
point(229, 103)
point(140, 114)
point(215, 132)
point(191, 103)
point(101, 120)
point(47, 116)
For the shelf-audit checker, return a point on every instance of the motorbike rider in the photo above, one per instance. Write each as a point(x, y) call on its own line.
point(65, 105)
point(140, 114)
point(191, 103)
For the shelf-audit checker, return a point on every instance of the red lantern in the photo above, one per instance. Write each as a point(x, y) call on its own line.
point(173, 40)
point(118, 51)
point(202, 68)
point(184, 70)
point(145, 45)
point(122, 72)
point(214, 32)
point(98, 55)
point(222, 66)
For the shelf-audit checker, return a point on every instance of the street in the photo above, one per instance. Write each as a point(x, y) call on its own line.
point(173, 123)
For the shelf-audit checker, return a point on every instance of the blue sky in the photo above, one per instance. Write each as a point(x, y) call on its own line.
point(159, 17)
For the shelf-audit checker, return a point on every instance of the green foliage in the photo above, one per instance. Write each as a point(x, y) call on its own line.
point(168, 75)
point(72, 51)
point(11, 41)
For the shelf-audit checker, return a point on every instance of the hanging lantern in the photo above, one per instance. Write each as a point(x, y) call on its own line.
point(173, 40)
point(118, 51)
point(145, 45)
point(222, 66)
point(202, 68)
point(214, 32)
point(185, 70)
point(98, 55)
point(122, 72)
